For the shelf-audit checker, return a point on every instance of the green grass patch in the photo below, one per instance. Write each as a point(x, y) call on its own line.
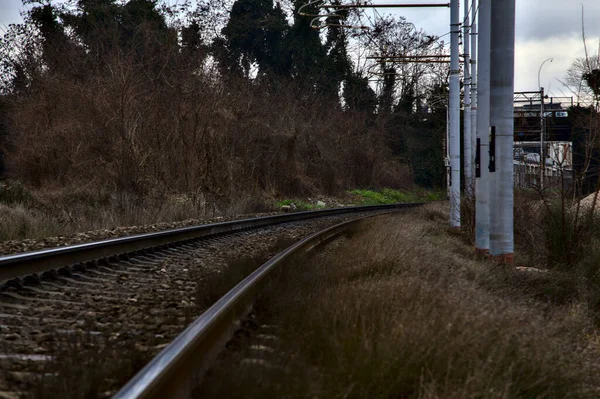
point(391, 196)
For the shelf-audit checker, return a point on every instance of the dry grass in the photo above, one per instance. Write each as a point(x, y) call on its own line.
point(19, 221)
point(401, 310)
point(46, 213)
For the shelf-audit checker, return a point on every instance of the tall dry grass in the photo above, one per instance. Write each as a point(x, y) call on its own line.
point(401, 310)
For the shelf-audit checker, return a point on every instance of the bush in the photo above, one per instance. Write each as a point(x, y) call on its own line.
point(89, 137)
point(13, 192)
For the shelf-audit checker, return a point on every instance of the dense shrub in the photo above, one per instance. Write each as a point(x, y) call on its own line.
point(126, 132)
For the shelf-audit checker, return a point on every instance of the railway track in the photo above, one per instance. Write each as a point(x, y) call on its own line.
point(134, 294)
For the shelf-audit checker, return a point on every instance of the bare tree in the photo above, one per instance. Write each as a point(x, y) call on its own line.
point(575, 81)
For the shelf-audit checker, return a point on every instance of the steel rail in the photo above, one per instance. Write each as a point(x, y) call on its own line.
point(174, 371)
point(27, 263)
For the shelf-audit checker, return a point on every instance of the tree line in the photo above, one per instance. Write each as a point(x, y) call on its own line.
point(131, 85)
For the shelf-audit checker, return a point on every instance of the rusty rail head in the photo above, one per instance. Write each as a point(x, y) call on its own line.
point(177, 367)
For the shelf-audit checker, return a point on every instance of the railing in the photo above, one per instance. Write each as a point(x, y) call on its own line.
point(529, 175)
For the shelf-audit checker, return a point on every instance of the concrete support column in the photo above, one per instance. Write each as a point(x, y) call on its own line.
point(482, 186)
point(454, 111)
point(502, 124)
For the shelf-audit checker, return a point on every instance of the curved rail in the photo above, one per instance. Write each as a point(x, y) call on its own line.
point(173, 371)
point(13, 266)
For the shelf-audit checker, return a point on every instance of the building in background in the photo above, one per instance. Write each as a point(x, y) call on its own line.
point(543, 145)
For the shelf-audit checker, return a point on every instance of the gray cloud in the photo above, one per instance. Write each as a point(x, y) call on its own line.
point(556, 19)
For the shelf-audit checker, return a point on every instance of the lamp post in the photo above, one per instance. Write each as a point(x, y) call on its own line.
point(542, 126)
point(540, 70)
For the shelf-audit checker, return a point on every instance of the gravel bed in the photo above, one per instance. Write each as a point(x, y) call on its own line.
point(137, 306)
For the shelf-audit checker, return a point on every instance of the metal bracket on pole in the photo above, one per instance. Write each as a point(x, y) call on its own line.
point(492, 165)
point(478, 159)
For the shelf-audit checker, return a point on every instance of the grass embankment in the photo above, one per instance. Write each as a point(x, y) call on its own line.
point(26, 213)
point(39, 213)
point(401, 310)
point(369, 197)
point(391, 196)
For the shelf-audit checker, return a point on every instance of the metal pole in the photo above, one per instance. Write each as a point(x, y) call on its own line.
point(482, 211)
point(447, 154)
point(542, 160)
point(454, 115)
point(542, 126)
point(473, 90)
point(502, 75)
point(467, 103)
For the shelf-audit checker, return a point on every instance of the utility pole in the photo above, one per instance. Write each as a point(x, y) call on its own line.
point(454, 103)
point(467, 103)
point(542, 126)
point(502, 74)
point(447, 154)
point(473, 92)
point(482, 186)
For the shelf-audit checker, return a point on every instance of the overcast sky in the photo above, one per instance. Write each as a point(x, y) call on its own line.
point(544, 28)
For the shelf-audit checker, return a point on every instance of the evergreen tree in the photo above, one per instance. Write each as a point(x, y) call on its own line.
point(358, 95)
point(305, 51)
point(254, 35)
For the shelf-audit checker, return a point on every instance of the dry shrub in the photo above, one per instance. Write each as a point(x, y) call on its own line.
point(19, 221)
point(125, 129)
point(467, 217)
point(529, 211)
point(401, 312)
